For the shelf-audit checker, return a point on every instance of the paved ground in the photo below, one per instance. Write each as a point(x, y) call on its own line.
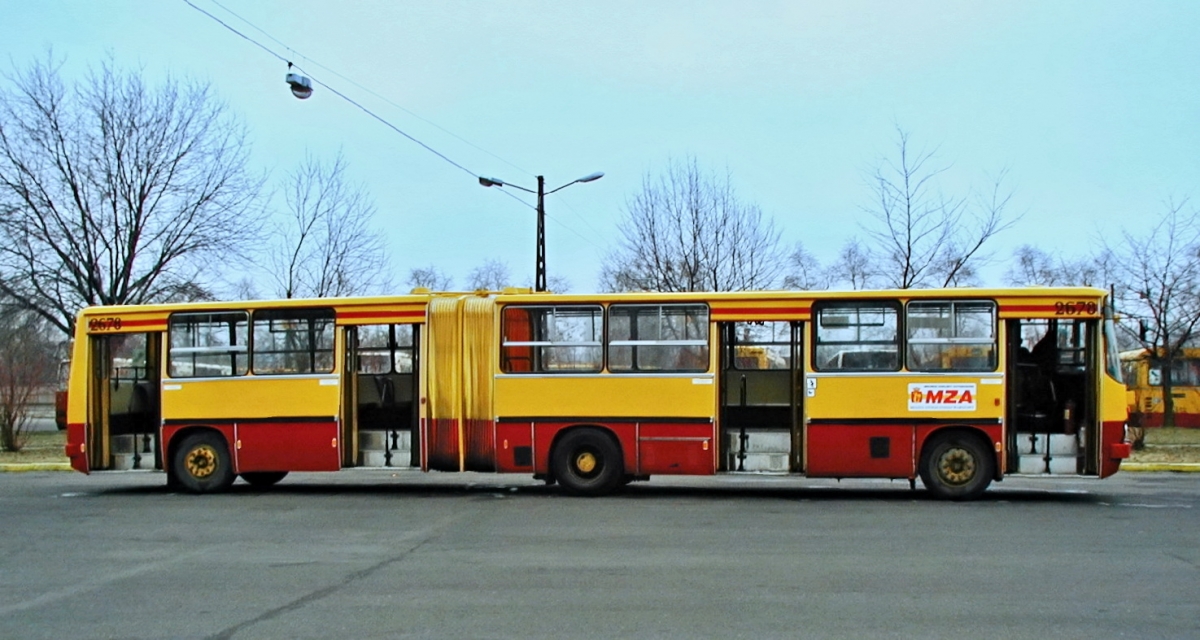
point(410, 555)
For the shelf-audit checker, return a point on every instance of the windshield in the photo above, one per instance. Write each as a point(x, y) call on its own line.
point(1112, 358)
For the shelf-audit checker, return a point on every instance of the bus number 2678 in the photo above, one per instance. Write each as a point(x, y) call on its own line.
point(1075, 308)
point(104, 324)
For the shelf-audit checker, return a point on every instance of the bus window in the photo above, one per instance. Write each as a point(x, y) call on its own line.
point(951, 336)
point(1129, 371)
point(1185, 372)
point(202, 345)
point(858, 336)
point(291, 341)
point(1112, 357)
point(552, 339)
point(659, 338)
point(386, 348)
point(761, 346)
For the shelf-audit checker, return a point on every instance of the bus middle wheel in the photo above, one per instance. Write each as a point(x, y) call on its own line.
point(587, 462)
point(201, 463)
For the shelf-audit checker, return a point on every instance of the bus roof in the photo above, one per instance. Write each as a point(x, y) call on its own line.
point(1013, 302)
point(1063, 293)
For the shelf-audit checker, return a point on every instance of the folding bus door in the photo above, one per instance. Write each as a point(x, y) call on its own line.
point(760, 398)
point(1052, 426)
point(381, 394)
point(123, 406)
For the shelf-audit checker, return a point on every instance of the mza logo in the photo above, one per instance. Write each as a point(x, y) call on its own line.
point(941, 397)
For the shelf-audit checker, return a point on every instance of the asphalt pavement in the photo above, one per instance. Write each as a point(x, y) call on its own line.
point(364, 554)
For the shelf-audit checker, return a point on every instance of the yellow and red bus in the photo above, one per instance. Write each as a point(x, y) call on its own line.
point(1143, 379)
point(957, 387)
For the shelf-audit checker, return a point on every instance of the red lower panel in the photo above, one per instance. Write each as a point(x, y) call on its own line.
point(76, 450)
point(481, 445)
point(676, 449)
point(287, 446)
point(1111, 435)
point(850, 450)
point(514, 450)
point(440, 436)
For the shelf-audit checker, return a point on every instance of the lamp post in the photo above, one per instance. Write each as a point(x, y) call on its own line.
point(540, 271)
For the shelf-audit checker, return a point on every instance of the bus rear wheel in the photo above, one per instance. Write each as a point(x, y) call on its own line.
point(201, 464)
point(956, 467)
point(263, 478)
point(587, 462)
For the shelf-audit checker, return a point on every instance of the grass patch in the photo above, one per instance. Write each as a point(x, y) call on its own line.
point(1169, 444)
point(43, 446)
point(1168, 453)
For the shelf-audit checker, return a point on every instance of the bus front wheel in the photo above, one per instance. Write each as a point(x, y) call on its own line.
point(201, 464)
point(587, 462)
point(956, 467)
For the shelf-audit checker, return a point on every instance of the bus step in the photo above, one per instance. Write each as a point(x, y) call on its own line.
point(374, 447)
point(1063, 458)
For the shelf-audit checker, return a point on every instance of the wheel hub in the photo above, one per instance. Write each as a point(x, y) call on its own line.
point(957, 466)
point(586, 462)
point(202, 462)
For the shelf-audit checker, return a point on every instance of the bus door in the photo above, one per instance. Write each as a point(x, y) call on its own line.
point(123, 390)
point(380, 406)
point(1053, 377)
point(760, 396)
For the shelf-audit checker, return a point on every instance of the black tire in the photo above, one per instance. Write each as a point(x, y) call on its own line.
point(201, 463)
point(957, 466)
point(263, 478)
point(587, 462)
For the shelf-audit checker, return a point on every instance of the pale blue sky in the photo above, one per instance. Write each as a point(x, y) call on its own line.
point(1093, 107)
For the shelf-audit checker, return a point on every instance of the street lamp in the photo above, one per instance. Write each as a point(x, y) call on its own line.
point(301, 86)
point(540, 271)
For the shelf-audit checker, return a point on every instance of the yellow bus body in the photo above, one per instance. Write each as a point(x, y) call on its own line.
point(428, 380)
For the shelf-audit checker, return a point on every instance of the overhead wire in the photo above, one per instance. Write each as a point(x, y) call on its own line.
point(341, 95)
point(373, 92)
point(581, 219)
point(376, 116)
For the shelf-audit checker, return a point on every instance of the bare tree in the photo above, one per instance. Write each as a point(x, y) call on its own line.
point(686, 230)
point(27, 365)
point(1032, 266)
point(922, 237)
point(1156, 278)
point(114, 192)
point(558, 284)
point(492, 275)
point(804, 271)
point(431, 278)
point(854, 267)
point(327, 246)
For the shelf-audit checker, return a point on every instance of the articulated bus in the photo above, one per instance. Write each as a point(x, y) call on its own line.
point(1143, 379)
point(957, 387)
